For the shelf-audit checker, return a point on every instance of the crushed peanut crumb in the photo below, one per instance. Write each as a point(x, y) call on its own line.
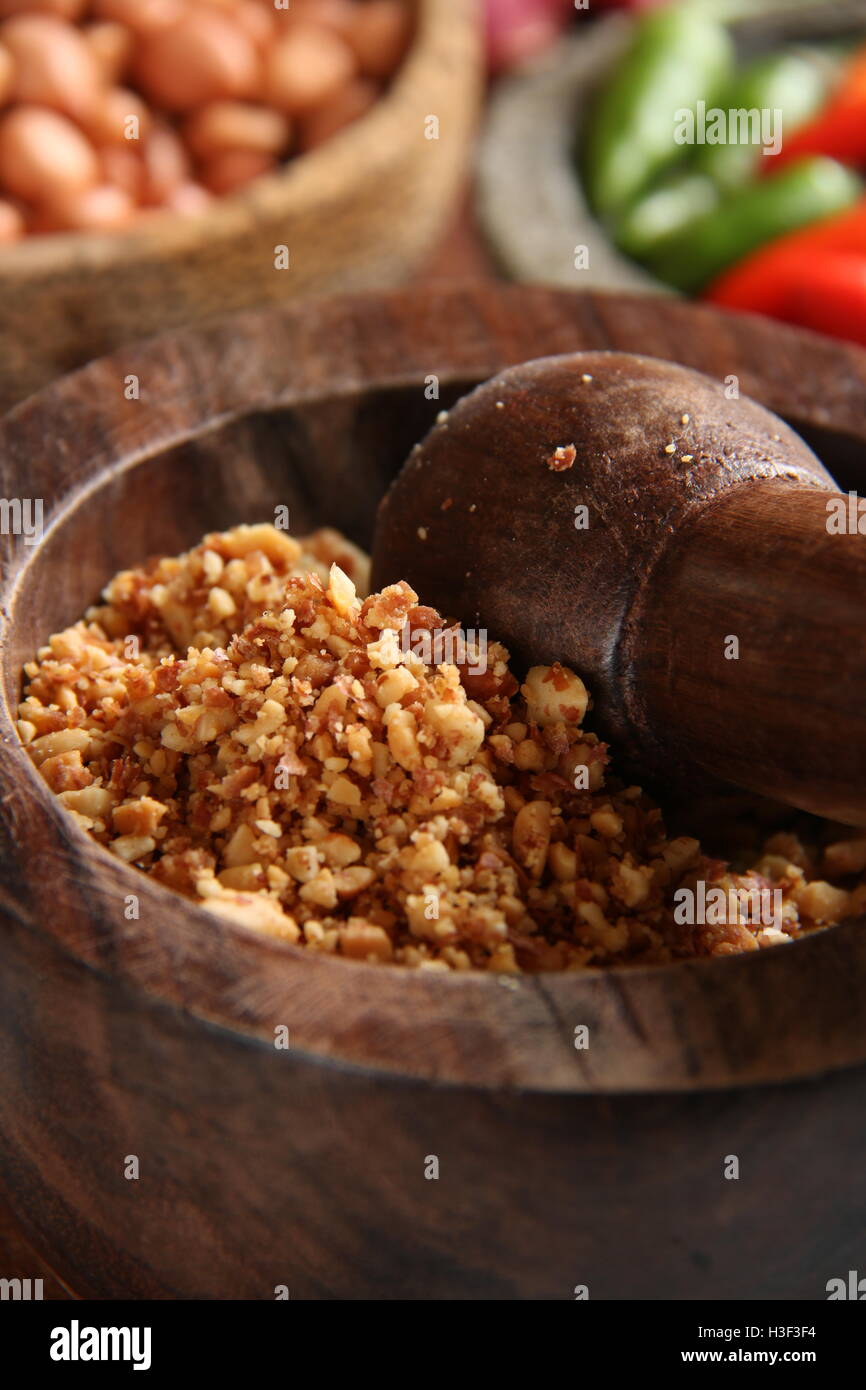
point(562, 458)
point(248, 726)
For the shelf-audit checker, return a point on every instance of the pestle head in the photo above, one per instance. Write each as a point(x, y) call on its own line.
point(540, 506)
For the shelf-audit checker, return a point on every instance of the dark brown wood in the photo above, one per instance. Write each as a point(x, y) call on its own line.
point(788, 717)
point(154, 1037)
point(683, 523)
point(21, 1260)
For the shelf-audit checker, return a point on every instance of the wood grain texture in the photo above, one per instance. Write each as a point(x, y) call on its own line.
point(703, 520)
point(18, 1258)
point(788, 717)
point(155, 1037)
point(358, 212)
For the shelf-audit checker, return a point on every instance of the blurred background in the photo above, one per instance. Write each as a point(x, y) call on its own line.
point(163, 161)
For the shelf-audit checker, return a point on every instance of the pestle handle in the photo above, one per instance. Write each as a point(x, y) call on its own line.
point(746, 655)
point(623, 516)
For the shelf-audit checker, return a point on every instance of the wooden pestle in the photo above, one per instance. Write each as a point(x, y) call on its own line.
point(715, 613)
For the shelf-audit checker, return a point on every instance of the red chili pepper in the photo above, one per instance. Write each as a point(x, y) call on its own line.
point(761, 282)
point(839, 130)
point(831, 298)
point(827, 294)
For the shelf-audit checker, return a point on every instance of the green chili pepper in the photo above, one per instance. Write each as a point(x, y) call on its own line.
point(678, 56)
point(647, 224)
point(803, 193)
point(771, 98)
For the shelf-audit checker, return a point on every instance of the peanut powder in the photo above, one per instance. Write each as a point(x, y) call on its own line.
point(248, 726)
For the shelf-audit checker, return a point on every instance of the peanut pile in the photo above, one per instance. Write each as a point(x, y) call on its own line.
point(243, 724)
point(113, 109)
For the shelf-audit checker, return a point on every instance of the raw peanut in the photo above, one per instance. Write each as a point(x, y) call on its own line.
point(332, 14)
point(124, 168)
point(110, 124)
point(43, 153)
point(306, 68)
point(42, 221)
point(64, 9)
point(379, 35)
point(111, 45)
point(12, 226)
point(7, 74)
point(352, 101)
point(53, 64)
point(257, 21)
point(141, 16)
point(203, 56)
point(231, 169)
point(235, 125)
point(104, 209)
point(166, 165)
point(188, 199)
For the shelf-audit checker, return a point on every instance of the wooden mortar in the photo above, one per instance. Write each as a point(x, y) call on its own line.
point(155, 1037)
